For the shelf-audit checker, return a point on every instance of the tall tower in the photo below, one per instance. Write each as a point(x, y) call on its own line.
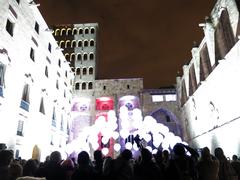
point(78, 43)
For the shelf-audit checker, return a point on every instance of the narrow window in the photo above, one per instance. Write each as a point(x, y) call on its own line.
point(80, 43)
point(74, 31)
point(2, 78)
point(73, 45)
point(85, 43)
point(86, 31)
point(57, 32)
point(36, 27)
point(69, 31)
point(91, 56)
point(46, 71)
point(92, 43)
point(79, 57)
point(54, 119)
point(80, 31)
point(25, 98)
point(90, 85)
point(62, 123)
point(78, 71)
point(84, 71)
point(128, 87)
point(77, 86)
point(83, 86)
point(20, 128)
point(66, 74)
point(90, 70)
point(85, 57)
point(92, 30)
point(63, 32)
point(32, 54)
point(18, 1)
point(57, 85)
point(64, 93)
point(49, 47)
point(59, 62)
point(9, 27)
point(104, 87)
point(42, 109)
point(72, 57)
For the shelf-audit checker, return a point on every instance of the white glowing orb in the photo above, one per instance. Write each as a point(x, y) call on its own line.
point(115, 135)
point(135, 147)
point(154, 151)
point(117, 147)
point(105, 151)
point(128, 146)
point(124, 133)
point(105, 140)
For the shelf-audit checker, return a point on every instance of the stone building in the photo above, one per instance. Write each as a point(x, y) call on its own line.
point(208, 89)
point(35, 83)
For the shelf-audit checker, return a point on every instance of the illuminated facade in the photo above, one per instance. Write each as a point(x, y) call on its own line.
point(208, 90)
point(35, 83)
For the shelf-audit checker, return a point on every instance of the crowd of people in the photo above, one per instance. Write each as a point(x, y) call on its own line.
point(163, 165)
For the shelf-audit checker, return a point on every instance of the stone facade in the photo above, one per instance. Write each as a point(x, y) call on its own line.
point(207, 91)
point(35, 83)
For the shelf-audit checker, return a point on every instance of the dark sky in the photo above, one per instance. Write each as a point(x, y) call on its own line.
point(150, 39)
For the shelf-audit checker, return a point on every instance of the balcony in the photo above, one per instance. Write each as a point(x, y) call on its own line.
point(24, 105)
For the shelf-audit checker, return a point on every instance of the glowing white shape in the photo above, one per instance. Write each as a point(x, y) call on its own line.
point(135, 147)
point(111, 114)
point(125, 124)
point(149, 148)
point(128, 146)
point(124, 133)
point(147, 137)
point(115, 135)
point(154, 151)
point(117, 147)
point(123, 109)
point(105, 140)
point(95, 146)
point(105, 151)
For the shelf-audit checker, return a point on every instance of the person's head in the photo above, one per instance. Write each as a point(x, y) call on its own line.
point(219, 153)
point(6, 156)
point(30, 167)
point(15, 170)
point(234, 157)
point(165, 154)
point(55, 157)
point(179, 150)
point(146, 155)
point(83, 158)
point(205, 153)
point(67, 165)
point(126, 154)
point(98, 156)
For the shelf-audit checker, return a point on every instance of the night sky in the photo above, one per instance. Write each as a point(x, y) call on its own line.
point(149, 39)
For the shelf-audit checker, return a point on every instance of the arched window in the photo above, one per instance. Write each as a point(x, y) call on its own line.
point(67, 44)
point(84, 71)
point(78, 71)
point(90, 70)
point(61, 45)
point(92, 30)
point(64, 93)
point(67, 56)
point(83, 86)
point(92, 43)
point(77, 86)
point(66, 74)
point(79, 43)
point(73, 45)
point(57, 32)
point(86, 31)
point(85, 56)
point(72, 57)
point(74, 31)
point(80, 31)
point(46, 71)
point(91, 56)
point(90, 85)
point(25, 94)
point(69, 31)
point(63, 32)
point(79, 57)
point(85, 43)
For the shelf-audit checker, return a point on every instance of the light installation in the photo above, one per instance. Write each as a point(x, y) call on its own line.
point(129, 125)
